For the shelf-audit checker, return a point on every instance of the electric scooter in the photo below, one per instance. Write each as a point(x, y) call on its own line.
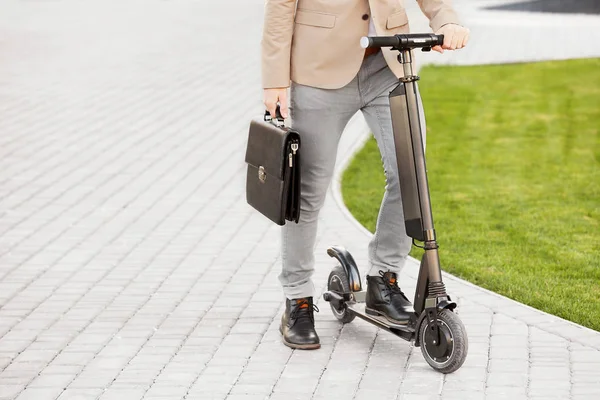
point(434, 326)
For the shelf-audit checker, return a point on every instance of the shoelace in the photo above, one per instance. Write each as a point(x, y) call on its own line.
point(391, 287)
point(298, 311)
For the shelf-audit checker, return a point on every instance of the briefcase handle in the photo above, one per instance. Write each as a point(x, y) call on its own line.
point(279, 120)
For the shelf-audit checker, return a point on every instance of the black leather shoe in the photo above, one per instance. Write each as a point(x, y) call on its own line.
point(385, 298)
point(298, 324)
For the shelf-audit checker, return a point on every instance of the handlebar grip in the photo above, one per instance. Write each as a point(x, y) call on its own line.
point(378, 41)
point(406, 41)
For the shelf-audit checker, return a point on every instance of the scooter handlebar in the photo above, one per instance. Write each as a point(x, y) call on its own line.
point(403, 42)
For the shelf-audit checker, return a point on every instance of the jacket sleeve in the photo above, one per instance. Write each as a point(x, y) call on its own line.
point(276, 43)
point(439, 13)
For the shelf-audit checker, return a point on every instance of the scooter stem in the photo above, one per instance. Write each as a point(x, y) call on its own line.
point(410, 81)
point(430, 258)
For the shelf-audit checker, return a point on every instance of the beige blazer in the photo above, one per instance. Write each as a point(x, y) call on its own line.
point(317, 42)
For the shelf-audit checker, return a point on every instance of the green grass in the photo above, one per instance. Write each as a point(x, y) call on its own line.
point(513, 157)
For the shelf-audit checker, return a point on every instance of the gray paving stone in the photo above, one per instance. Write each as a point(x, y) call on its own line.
point(556, 385)
point(118, 394)
point(467, 374)
point(252, 389)
point(170, 391)
point(506, 391)
point(293, 396)
point(509, 353)
point(477, 361)
point(583, 367)
point(10, 391)
point(40, 393)
point(549, 392)
point(579, 396)
point(343, 390)
point(504, 396)
point(554, 373)
point(471, 385)
point(197, 391)
point(585, 376)
point(47, 380)
point(407, 396)
point(371, 393)
point(503, 379)
point(247, 397)
point(205, 395)
point(585, 356)
point(509, 365)
point(302, 371)
point(419, 386)
point(587, 389)
point(177, 378)
point(80, 394)
point(291, 385)
point(509, 341)
point(462, 394)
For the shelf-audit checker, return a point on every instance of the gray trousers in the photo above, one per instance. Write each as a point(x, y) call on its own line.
point(320, 115)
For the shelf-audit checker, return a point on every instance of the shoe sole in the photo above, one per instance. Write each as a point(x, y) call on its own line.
point(376, 313)
point(313, 346)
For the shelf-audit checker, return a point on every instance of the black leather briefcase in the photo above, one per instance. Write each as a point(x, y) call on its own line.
point(273, 177)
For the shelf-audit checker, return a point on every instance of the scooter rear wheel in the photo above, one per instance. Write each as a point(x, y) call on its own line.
point(338, 282)
point(448, 352)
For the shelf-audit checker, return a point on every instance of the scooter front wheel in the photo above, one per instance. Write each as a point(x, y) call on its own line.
point(447, 351)
point(338, 282)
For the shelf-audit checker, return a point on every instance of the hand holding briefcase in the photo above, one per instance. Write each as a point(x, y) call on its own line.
point(273, 177)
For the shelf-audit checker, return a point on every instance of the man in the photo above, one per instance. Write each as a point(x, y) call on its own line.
point(312, 47)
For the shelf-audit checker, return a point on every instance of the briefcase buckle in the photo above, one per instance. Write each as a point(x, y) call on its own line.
point(262, 175)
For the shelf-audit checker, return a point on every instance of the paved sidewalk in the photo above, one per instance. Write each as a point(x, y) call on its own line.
point(131, 266)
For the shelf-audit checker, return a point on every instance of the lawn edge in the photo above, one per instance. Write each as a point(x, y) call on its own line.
point(549, 321)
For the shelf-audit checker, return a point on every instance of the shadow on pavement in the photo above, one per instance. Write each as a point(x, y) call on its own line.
point(553, 6)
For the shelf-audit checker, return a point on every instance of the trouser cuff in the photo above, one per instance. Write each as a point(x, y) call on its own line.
point(375, 268)
point(306, 289)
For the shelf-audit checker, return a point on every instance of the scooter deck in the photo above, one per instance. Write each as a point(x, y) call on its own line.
point(406, 332)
